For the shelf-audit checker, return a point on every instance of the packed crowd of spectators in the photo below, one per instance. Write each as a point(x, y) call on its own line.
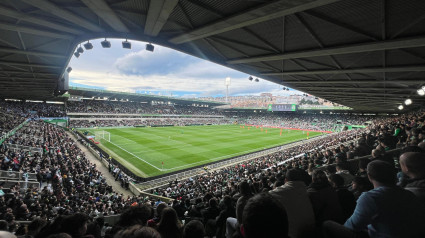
point(117, 107)
point(318, 196)
point(68, 182)
point(149, 122)
point(33, 109)
point(327, 122)
point(309, 190)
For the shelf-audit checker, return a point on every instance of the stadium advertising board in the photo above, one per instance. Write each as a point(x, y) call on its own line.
point(282, 107)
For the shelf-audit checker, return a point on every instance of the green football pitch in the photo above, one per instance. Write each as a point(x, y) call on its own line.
point(151, 151)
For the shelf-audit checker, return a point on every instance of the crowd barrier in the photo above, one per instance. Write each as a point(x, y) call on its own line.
point(6, 175)
point(111, 220)
point(12, 132)
point(22, 184)
point(133, 188)
point(24, 148)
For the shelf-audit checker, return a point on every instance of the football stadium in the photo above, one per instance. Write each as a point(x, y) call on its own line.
point(201, 118)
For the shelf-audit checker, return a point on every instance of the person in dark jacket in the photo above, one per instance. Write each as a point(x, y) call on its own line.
point(227, 211)
point(209, 215)
point(413, 165)
point(324, 198)
point(346, 198)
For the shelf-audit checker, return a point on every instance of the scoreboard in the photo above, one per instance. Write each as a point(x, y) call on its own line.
point(282, 107)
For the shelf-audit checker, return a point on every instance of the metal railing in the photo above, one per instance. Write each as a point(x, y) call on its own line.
point(12, 132)
point(15, 147)
point(7, 175)
point(22, 184)
point(133, 188)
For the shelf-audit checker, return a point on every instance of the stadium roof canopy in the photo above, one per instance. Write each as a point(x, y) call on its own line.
point(368, 55)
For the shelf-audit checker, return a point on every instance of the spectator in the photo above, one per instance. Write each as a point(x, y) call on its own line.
point(227, 211)
point(263, 216)
point(323, 197)
point(293, 196)
point(360, 185)
point(385, 211)
point(413, 165)
point(138, 231)
point(209, 215)
point(194, 229)
point(346, 198)
point(341, 170)
point(169, 226)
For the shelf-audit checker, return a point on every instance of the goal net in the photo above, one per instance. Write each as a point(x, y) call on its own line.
point(99, 135)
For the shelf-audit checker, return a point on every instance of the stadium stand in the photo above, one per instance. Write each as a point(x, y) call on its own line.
point(367, 55)
point(58, 181)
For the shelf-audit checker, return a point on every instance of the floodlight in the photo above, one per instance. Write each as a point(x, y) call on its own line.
point(69, 69)
point(250, 78)
point(105, 44)
point(421, 92)
point(80, 50)
point(408, 101)
point(126, 44)
point(150, 47)
point(400, 107)
point(88, 45)
point(423, 88)
point(76, 54)
point(257, 80)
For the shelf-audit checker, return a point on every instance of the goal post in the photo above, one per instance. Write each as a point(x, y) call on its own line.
point(99, 135)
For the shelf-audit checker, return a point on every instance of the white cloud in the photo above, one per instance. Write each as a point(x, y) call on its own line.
point(165, 70)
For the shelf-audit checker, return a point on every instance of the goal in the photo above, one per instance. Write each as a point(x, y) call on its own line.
point(99, 135)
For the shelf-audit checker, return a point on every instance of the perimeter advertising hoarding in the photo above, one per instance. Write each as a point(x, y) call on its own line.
point(282, 107)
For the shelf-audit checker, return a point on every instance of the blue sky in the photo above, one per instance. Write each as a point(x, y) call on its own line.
point(164, 71)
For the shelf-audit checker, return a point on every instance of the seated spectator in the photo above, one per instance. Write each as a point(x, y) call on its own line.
point(413, 165)
point(154, 221)
point(362, 168)
point(194, 229)
point(136, 215)
point(362, 149)
point(323, 197)
point(346, 198)
point(169, 226)
point(75, 225)
point(209, 215)
point(293, 196)
point(138, 231)
point(263, 216)
point(341, 170)
point(385, 211)
point(360, 185)
point(228, 210)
